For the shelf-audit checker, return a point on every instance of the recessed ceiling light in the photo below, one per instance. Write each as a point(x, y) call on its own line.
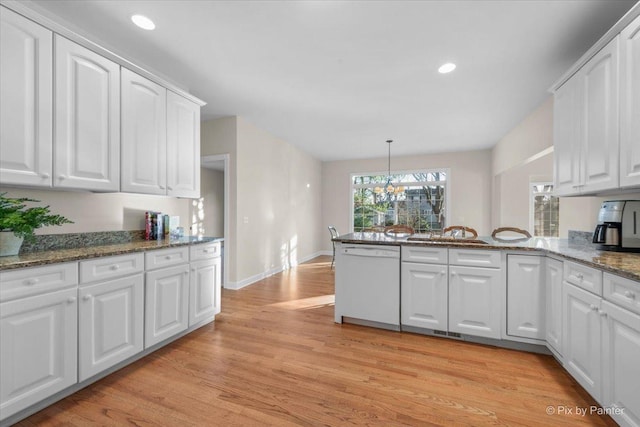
point(143, 22)
point(447, 68)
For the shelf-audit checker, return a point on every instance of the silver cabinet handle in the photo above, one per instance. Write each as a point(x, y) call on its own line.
point(33, 281)
point(629, 294)
point(86, 297)
point(71, 300)
point(115, 267)
point(602, 313)
point(62, 177)
point(593, 307)
point(45, 175)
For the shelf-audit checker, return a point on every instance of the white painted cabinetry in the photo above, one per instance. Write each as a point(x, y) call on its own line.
point(111, 311)
point(621, 348)
point(87, 119)
point(475, 293)
point(587, 110)
point(630, 105)
point(38, 335)
point(26, 84)
point(424, 288)
point(205, 283)
point(525, 296)
point(166, 299)
point(144, 135)
point(567, 108)
point(583, 338)
point(183, 147)
point(553, 306)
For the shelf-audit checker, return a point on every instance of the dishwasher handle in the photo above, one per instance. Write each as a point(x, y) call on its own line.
point(371, 252)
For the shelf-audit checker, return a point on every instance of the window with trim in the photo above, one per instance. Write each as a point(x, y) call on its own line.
point(545, 210)
point(422, 205)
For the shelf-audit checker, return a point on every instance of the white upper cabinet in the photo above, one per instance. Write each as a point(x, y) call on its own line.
point(600, 121)
point(144, 135)
point(26, 103)
point(630, 105)
point(586, 137)
point(87, 119)
point(566, 136)
point(183, 147)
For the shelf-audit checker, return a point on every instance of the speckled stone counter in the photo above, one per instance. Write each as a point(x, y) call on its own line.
point(621, 263)
point(63, 255)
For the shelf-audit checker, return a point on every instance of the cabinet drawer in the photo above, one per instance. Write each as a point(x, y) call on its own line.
point(204, 251)
point(166, 257)
point(111, 267)
point(425, 255)
point(37, 280)
point(583, 277)
point(475, 258)
point(621, 291)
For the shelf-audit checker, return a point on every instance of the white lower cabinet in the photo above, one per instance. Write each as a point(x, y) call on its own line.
point(525, 296)
point(111, 323)
point(475, 301)
point(583, 338)
point(204, 292)
point(38, 348)
point(621, 366)
point(424, 296)
point(553, 305)
point(166, 303)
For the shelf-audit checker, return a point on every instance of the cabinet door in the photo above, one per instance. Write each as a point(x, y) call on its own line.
point(183, 147)
point(204, 292)
point(600, 145)
point(475, 301)
point(566, 138)
point(620, 361)
point(38, 348)
point(582, 339)
point(525, 296)
point(87, 119)
point(144, 135)
point(553, 297)
point(424, 296)
point(166, 304)
point(111, 324)
point(630, 105)
point(26, 84)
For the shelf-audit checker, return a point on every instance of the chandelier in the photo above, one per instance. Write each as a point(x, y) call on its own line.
point(390, 192)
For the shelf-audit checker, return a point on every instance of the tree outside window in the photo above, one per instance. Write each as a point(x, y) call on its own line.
point(422, 205)
point(545, 210)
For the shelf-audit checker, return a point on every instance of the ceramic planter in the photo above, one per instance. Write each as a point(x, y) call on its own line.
point(9, 243)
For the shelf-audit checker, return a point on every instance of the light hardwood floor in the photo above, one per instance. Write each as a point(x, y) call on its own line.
point(274, 356)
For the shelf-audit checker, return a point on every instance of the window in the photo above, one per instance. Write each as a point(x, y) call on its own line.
point(421, 206)
point(545, 210)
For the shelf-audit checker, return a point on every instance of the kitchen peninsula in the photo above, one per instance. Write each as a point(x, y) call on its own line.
point(544, 294)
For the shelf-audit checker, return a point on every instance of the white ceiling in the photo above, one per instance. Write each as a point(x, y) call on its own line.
point(338, 78)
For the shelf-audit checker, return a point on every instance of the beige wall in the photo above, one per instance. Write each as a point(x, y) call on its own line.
point(207, 212)
point(530, 137)
point(523, 156)
point(275, 199)
point(469, 187)
point(103, 211)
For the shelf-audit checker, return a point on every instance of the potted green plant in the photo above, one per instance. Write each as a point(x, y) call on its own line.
point(18, 222)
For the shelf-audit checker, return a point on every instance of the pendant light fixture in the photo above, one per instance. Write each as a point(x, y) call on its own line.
point(390, 192)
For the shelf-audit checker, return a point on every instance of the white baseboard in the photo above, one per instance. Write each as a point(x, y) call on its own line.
point(257, 277)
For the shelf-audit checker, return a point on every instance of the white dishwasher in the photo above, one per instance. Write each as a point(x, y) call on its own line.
point(368, 285)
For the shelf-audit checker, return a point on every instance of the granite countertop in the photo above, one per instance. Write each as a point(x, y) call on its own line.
point(34, 259)
point(625, 264)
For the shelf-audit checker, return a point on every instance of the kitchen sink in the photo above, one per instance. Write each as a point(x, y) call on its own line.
point(445, 240)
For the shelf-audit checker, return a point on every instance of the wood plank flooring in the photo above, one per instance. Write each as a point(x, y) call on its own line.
point(274, 356)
